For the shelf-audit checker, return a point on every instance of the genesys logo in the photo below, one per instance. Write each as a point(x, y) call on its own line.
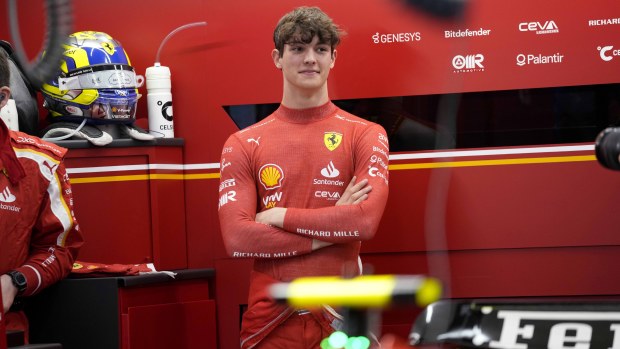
point(546, 27)
point(607, 53)
point(527, 59)
point(392, 38)
point(468, 63)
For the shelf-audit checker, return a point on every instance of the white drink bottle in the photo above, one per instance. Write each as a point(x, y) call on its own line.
point(159, 94)
point(159, 101)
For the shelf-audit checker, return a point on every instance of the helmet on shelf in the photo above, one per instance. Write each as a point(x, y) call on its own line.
point(95, 81)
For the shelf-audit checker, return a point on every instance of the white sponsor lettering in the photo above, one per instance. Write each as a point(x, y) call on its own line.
point(349, 120)
point(607, 53)
point(468, 63)
point(329, 195)
point(257, 125)
point(227, 183)
point(9, 207)
point(383, 140)
point(546, 27)
point(251, 255)
point(224, 165)
point(271, 200)
point(226, 198)
point(607, 21)
point(347, 233)
point(22, 139)
point(570, 334)
point(523, 59)
point(284, 254)
point(374, 172)
point(374, 159)
point(313, 232)
point(335, 182)
point(227, 150)
point(380, 151)
point(466, 33)
point(396, 37)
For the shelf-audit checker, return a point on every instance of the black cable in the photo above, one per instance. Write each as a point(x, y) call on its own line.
point(59, 26)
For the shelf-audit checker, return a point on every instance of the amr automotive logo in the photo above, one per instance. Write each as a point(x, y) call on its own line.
point(607, 53)
point(468, 63)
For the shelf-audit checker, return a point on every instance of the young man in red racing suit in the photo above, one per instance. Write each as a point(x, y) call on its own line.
point(39, 235)
point(295, 188)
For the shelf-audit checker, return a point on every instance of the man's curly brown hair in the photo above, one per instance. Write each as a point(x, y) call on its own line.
point(304, 23)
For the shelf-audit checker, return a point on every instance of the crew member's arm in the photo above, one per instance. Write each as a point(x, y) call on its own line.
point(54, 243)
point(242, 235)
point(353, 222)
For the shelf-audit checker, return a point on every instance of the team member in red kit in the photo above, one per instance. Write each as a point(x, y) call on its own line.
point(39, 236)
point(302, 188)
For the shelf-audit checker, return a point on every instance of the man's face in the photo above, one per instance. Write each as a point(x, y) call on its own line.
point(305, 66)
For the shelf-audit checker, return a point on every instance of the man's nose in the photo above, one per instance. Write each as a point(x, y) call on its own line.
point(310, 57)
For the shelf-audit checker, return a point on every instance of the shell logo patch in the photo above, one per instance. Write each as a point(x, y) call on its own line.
point(332, 140)
point(271, 176)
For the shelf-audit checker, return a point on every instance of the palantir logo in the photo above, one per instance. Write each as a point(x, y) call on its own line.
point(468, 63)
point(7, 196)
point(530, 58)
point(607, 53)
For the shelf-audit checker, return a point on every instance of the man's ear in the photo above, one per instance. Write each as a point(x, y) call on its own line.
point(334, 54)
point(275, 55)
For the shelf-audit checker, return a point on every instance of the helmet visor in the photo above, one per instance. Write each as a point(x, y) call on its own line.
point(109, 107)
point(106, 76)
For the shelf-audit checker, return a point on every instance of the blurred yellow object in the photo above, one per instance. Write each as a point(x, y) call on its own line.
point(367, 291)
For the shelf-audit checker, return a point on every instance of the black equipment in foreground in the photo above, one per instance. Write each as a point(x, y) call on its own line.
point(519, 324)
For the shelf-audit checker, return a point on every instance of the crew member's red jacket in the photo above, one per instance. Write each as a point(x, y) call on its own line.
point(39, 235)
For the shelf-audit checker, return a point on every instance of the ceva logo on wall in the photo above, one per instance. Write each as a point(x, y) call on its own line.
point(607, 53)
point(546, 27)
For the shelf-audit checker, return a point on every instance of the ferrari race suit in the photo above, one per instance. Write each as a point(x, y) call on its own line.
point(39, 235)
point(302, 160)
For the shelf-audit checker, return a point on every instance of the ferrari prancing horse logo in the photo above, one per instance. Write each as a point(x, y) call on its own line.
point(332, 140)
